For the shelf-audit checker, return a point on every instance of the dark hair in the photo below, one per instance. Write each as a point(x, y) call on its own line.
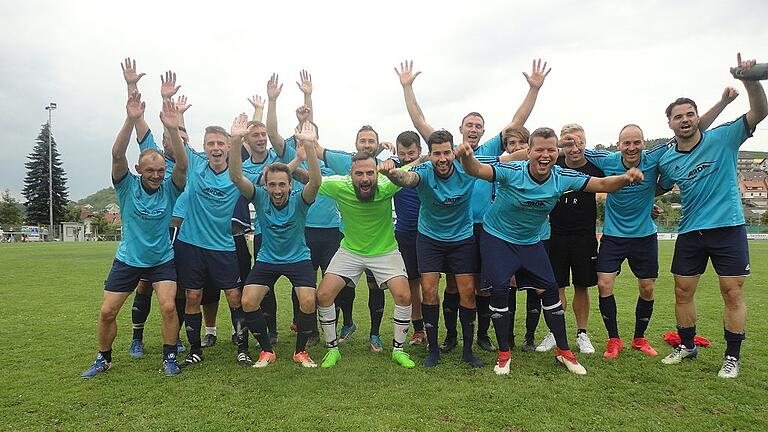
point(520, 131)
point(631, 125)
point(408, 138)
point(216, 130)
point(278, 167)
point(363, 155)
point(439, 137)
point(475, 114)
point(542, 132)
point(680, 101)
point(366, 128)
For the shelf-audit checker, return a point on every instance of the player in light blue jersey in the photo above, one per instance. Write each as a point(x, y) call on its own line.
point(145, 250)
point(281, 212)
point(703, 165)
point(445, 241)
point(472, 128)
point(511, 239)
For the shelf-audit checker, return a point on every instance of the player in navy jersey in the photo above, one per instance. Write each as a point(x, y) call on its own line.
point(281, 212)
point(146, 202)
point(511, 239)
point(703, 165)
point(472, 129)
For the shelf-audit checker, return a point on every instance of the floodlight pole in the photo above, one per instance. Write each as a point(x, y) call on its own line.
point(51, 106)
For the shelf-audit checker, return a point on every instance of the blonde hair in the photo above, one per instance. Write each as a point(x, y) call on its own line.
point(571, 128)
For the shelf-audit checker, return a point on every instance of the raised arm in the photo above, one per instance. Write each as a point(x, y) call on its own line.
point(258, 108)
point(407, 76)
point(535, 81)
point(305, 138)
point(709, 117)
point(471, 165)
point(273, 92)
point(131, 81)
point(182, 106)
point(305, 85)
point(402, 178)
point(613, 183)
point(171, 118)
point(238, 130)
point(134, 109)
point(299, 174)
point(758, 106)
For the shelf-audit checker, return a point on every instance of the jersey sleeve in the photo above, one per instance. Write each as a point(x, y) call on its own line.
point(733, 134)
point(386, 186)
point(148, 142)
point(258, 196)
point(570, 180)
point(253, 176)
point(505, 174)
point(599, 158)
point(338, 161)
point(665, 181)
point(289, 153)
point(423, 170)
point(331, 186)
point(492, 147)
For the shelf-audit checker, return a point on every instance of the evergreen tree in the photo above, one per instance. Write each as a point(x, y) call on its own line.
point(36, 183)
point(10, 215)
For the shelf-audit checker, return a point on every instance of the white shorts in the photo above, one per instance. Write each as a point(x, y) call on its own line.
point(350, 265)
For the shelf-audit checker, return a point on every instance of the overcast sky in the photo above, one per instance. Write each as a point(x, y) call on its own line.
point(613, 63)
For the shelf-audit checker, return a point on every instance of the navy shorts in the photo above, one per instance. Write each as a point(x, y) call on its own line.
point(406, 243)
point(196, 264)
point(502, 259)
point(641, 252)
point(243, 254)
point(124, 278)
point(323, 244)
point(457, 257)
point(300, 274)
point(521, 277)
point(576, 255)
point(211, 294)
point(727, 247)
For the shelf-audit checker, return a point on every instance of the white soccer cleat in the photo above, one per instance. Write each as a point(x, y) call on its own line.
point(547, 344)
point(584, 344)
point(568, 359)
point(502, 364)
point(730, 368)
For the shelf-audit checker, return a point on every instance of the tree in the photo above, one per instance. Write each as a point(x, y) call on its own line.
point(764, 219)
point(72, 212)
point(9, 211)
point(36, 189)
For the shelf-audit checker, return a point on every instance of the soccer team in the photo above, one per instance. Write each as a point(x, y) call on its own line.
point(516, 212)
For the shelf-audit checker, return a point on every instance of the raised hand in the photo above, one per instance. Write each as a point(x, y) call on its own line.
point(386, 167)
point(303, 113)
point(135, 107)
point(538, 74)
point(129, 71)
point(239, 126)
point(306, 133)
point(463, 150)
point(406, 73)
point(305, 82)
point(301, 152)
point(274, 87)
point(256, 101)
point(170, 115)
point(745, 65)
point(168, 86)
point(181, 104)
point(386, 145)
point(729, 95)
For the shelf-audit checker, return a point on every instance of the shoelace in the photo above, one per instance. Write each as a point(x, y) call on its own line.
point(729, 365)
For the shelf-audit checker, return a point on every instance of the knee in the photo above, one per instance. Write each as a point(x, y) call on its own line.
point(683, 294)
point(324, 297)
point(605, 287)
point(402, 298)
point(108, 314)
point(307, 304)
point(732, 295)
point(429, 294)
point(168, 307)
point(646, 290)
point(194, 297)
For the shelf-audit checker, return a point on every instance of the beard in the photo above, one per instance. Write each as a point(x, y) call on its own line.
point(365, 196)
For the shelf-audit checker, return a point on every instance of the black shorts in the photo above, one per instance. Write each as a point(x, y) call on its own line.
point(123, 278)
point(727, 247)
point(458, 258)
point(196, 264)
point(574, 254)
point(528, 263)
point(211, 294)
point(300, 274)
point(641, 252)
point(406, 243)
point(323, 244)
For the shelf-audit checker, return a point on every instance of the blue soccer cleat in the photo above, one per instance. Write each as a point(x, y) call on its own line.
point(98, 366)
point(137, 348)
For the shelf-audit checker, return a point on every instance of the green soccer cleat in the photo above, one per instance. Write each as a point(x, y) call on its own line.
point(403, 359)
point(331, 358)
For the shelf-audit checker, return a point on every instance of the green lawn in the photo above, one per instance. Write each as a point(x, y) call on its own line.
point(51, 293)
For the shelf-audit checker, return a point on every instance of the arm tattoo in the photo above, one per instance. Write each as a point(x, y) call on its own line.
point(404, 178)
point(300, 175)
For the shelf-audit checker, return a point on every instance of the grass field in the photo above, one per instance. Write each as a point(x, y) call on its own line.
point(51, 293)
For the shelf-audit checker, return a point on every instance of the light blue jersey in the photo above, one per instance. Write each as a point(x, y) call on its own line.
point(323, 213)
point(707, 177)
point(446, 211)
point(522, 204)
point(257, 168)
point(628, 210)
point(482, 196)
point(145, 218)
point(148, 142)
point(209, 206)
point(546, 230)
point(282, 230)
